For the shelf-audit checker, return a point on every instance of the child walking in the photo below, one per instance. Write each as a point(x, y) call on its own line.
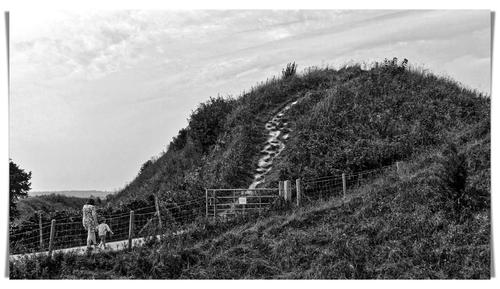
point(103, 229)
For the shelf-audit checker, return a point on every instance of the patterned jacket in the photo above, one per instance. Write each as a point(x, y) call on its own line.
point(89, 217)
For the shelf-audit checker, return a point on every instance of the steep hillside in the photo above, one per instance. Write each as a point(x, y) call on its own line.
point(400, 226)
point(431, 220)
point(344, 120)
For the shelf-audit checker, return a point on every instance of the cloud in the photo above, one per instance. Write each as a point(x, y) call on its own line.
point(117, 85)
point(92, 46)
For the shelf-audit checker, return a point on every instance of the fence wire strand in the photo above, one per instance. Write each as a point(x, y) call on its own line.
point(70, 232)
point(333, 186)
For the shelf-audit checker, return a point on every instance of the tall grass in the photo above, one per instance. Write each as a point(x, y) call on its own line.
point(395, 227)
point(432, 221)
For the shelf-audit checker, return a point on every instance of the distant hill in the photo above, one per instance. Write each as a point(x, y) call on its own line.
point(55, 201)
point(48, 203)
point(75, 193)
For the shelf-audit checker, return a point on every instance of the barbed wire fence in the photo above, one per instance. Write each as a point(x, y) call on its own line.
point(216, 204)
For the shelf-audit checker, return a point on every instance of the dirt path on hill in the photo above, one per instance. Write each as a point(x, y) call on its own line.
point(278, 132)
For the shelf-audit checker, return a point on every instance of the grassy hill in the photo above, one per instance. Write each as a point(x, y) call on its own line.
point(49, 204)
point(346, 120)
point(54, 201)
point(395, 227)
point(433, 221)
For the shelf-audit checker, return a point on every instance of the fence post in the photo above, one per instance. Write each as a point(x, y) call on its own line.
point(398, 168)
point(281, 187)
point(52, 233)
point(215, 204)
point(299, 191)
point(288, 191)
point(260, 204)
point(157, 205)
point(131, 230)
point(206, 203)
point(40, 227)
point(344, 185)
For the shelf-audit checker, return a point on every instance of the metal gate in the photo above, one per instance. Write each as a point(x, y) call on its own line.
point(231, 202)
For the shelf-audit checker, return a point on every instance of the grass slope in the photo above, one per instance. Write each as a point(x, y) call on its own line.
point(348, 119)
point(396, 227)
point(433, 221)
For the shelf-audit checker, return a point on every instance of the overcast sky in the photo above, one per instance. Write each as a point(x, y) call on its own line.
point(96, 94)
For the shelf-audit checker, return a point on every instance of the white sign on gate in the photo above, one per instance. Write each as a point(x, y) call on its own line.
point(242, 200)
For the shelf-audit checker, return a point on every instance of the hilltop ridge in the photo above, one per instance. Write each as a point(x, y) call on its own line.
point(355, 118)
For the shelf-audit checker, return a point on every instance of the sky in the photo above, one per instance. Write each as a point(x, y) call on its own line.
point(95, 94)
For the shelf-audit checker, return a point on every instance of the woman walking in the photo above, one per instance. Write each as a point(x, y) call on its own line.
point(90, 222)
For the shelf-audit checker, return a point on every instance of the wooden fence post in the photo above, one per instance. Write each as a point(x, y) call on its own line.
point(281, 188)
point(398, 168)
point(206, 203)
point(288, 191)
point(40, 227)
point(157, 205)
point(52, 233)
point(344, 185)
point(215, 204)
point(299, 191)
point(131, 230)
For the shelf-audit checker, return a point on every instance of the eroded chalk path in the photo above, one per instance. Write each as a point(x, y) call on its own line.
point(278, 129)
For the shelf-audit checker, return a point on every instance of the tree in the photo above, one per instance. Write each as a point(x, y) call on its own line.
point(19, 186)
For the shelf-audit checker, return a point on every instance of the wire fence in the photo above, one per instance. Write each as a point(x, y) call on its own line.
point(336, 185)
point(225, 203)
point(70, 232)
